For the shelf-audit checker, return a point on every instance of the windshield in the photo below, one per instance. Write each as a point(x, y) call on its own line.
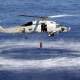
point(58, 25)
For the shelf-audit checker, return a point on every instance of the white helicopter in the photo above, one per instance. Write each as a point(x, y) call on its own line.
point(42, 24)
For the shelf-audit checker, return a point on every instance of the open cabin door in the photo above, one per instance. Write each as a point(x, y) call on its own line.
point(43, 27)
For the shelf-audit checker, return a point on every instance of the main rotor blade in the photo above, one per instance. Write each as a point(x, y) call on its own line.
point(46, 17)
point(33, 16)
point(58, 16)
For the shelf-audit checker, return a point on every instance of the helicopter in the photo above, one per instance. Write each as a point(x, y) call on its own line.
point(42, 24)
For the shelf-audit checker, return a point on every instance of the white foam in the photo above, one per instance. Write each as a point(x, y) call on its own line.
point(14, 64)
point(58, 62)
point(68, 45)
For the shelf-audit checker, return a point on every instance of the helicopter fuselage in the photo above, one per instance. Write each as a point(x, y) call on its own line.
point(50, 27)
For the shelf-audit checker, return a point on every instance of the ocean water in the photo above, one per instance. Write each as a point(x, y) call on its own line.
point(21, 58)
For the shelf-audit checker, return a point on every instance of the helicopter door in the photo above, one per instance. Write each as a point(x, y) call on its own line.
point(23, 30)
point(43, 27)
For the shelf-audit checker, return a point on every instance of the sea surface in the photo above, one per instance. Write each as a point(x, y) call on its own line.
point(21, 57)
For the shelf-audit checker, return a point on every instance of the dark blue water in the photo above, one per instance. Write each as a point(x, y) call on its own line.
point(21, 58)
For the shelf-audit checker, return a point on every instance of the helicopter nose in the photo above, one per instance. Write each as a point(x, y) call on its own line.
point(65, 29)
point(69, 28)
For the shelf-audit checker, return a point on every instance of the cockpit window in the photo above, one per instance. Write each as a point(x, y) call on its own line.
point(58, 25)
point(52, 22)
point(27, 24)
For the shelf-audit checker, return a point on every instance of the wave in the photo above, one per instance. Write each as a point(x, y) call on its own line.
point(59, 63)
point(68, 45)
